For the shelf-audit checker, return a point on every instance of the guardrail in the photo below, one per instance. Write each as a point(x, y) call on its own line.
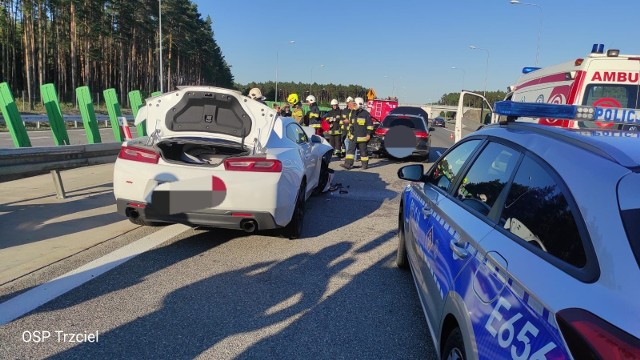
point(24, 162)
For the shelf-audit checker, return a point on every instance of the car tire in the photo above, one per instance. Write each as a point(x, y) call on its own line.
point(293, 230)
point(323, 178)
point(454, 346)
point(401, 255)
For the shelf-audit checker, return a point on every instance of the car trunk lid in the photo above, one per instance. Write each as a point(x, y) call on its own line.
point(212, 112)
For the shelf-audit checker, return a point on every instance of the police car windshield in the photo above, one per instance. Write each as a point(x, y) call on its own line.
point(409, 121)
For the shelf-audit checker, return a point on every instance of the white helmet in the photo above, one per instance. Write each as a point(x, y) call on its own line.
point(334, 102)
point(311, 99)
point(256, 94)
point(359, 101)
point(349, 99)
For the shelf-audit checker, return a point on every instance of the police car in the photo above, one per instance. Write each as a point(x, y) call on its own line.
point(524, 239)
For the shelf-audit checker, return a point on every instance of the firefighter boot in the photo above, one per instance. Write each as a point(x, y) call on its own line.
point(348, 164)
point(365, 164)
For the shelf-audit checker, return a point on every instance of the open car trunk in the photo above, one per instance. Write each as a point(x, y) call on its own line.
point(197, 151)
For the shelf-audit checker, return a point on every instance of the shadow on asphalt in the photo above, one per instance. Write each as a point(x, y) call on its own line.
point(29, 223)
point(288, 307)
point(359, 194)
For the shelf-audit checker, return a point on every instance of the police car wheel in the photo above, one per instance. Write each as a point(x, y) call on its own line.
point(454, 346)
point(401, 256)
point(293, 230)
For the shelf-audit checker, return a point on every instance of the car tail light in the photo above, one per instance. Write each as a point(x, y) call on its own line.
point(253, 164)
point(590, 337)
point(138, 154)
point(422, 134)
point(381, 131)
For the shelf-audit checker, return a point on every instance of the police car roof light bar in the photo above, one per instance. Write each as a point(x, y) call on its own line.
point(514, 110)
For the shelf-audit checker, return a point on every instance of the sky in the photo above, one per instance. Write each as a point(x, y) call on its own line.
point(407, 48)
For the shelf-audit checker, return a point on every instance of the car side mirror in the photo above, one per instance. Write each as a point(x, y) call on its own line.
point(411, 172)
point(315, 139)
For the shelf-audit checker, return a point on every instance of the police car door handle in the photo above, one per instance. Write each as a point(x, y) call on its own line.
point(458, 248)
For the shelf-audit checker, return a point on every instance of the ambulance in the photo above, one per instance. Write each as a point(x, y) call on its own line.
point(603, 79)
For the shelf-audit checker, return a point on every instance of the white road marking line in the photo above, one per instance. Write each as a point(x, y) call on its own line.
point(38, 296)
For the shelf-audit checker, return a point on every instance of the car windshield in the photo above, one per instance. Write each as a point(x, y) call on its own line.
point(610, 95)
point(412, 122)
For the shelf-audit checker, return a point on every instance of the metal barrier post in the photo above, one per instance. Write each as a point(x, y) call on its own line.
point(57, 181)
point(113, 107)
point(135, 99)
point(12, 117)
point(83, 96)
point(56, 121)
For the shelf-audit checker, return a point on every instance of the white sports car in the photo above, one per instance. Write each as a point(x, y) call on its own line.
point(216, 158)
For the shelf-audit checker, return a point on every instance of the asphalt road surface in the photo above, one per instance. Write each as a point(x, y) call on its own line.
point(216, 294)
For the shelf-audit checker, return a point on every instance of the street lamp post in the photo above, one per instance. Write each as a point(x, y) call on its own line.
point(393, 82)
point(463, 74)
point(486, 71)
point(291, 42)
point(160, 39)
point(517, 2)
point(311, 83)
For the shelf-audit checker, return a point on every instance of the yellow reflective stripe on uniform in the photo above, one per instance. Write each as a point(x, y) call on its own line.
point(314, 115)
point(364, 158)
point(361, 139)
point(315, 125)
point(369, 127)
point(349, 157)
point(361, 121)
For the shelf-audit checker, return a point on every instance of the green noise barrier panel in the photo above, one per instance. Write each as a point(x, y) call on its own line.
point(56, 121)
point(113, 107)
point(83, 96)
point(135, 99)
point(12, 117)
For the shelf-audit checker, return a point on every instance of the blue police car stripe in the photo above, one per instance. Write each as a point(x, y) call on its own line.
point(515, 287)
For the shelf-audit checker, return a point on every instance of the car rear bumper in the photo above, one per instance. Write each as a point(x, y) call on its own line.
point(376, 145)
point(227, 219)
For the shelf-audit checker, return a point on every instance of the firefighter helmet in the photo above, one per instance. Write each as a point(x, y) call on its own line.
point(334, 102)
point(256, 94)
point(359, 101)
point(293, 99)
point(311, 99)
point(349, 99)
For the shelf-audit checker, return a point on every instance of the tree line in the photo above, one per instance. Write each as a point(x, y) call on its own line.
point(472, 101)
point(107, 44)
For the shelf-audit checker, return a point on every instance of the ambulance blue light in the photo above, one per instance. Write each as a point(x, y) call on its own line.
point(597, 49)
point(529, 69)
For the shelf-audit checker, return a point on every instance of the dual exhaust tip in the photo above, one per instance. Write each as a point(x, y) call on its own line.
point(247, 225)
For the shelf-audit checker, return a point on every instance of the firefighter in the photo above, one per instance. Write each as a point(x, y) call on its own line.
point(360, 129)
point(296, 108)
point(334, 119)
point(346, 115)
point(313, 114)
